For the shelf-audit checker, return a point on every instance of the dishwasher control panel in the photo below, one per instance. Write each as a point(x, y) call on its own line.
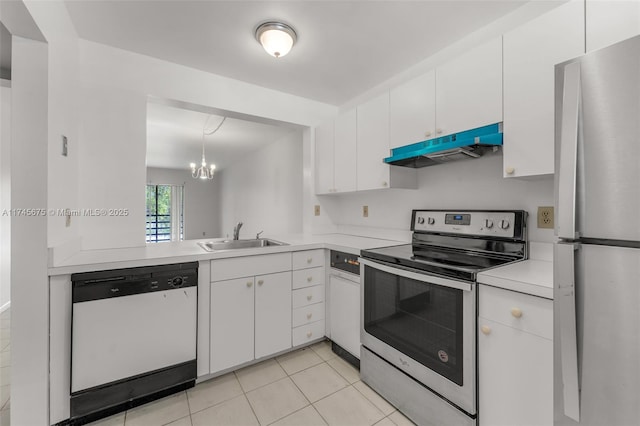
point(131, 281)
point(345, 262)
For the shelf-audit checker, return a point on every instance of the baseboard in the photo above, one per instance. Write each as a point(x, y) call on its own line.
point(5, 307)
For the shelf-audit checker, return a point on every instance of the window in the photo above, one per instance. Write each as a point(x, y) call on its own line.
point(165, 213)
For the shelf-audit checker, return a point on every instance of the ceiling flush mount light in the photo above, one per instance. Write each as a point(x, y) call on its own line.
point(204, 172)
point(276, 38)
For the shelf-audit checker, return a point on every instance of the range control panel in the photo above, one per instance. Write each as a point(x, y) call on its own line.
point(504, 224)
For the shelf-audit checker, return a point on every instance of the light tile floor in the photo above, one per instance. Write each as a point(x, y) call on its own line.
point(5, 366)
point(307, 387)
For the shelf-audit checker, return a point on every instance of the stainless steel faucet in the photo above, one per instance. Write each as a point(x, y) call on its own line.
point(236, 231)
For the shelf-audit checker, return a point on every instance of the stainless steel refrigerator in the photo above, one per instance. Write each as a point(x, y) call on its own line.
point(597, 256)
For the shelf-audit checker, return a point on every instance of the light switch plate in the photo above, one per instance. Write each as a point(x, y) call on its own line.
point(65, 149)
point(545, 217)
point(316, 210)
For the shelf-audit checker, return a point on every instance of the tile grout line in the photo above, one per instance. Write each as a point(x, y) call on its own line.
point(250, 407)
point(374, 404)
point(186, 395)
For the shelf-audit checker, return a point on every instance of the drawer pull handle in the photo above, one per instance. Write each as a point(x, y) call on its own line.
point(309, 334)
point(309, 297)
point(249, 283)
point(260, 282)
point(309, 315)
point(309, 279)
point(516, 312)
point(309, 259)
point(485, 329)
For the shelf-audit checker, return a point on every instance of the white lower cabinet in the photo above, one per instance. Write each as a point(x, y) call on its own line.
point(344, 305)
point(272, 313)
point(308, 333)
point(308, 296)
point(515, 359)
point(250, 317)
point(232, 323)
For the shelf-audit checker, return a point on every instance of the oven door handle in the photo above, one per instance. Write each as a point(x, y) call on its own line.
point(417, 276)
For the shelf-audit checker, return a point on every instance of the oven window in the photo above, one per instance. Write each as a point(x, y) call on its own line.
point(421, 320)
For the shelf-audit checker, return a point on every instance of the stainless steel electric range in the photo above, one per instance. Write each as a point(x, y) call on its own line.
point(418, 328)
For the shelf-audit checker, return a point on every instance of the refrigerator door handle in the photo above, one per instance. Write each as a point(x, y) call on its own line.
point(564, 283)
point(566, 225)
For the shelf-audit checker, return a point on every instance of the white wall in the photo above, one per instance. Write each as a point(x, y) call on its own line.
point(115, 87)
point(264, 190)
point(471, 184)
point(62, 43)
point(29, 277)
point(5, 194)
point(201, 200)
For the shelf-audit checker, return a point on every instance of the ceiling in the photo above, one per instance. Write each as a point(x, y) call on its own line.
point(344, 47)
point(174, 137)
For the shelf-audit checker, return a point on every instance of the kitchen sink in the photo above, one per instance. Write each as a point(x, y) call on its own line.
point(240, 244)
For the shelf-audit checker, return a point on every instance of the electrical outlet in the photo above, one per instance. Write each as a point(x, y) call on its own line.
point(316, 210)
point(365, 211)
point(545, 217)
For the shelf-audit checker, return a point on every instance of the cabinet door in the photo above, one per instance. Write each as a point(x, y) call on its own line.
point(232, 323)
point(413, 111)
point(515, 376)
point(344, 315)
point(344, 147)
point(273, 313)
point(324, 158)
point(469, 90)
point(611, 21)
point(373, 143)
point(530, 53)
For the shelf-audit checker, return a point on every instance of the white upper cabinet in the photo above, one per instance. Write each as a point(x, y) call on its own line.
point(469, 90)
point(373, 147)
point(324, 158)
point(530, 54)
point(344, 147)
point(611, 21)
point(413, 111)
point(373, 143)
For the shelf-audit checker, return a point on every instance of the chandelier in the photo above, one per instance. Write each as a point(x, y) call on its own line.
point(204, 172)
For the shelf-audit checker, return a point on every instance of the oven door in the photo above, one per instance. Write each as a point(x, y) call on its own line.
point(424, 325)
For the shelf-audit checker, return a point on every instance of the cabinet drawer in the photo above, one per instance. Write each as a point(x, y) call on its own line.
point(521, 311)
point(308, 277)
point(248, 266)
point(308, 333)
point(308, 314)
point(307, 258)
point(308, 296)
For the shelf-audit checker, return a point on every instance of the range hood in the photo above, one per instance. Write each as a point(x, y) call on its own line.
point(459, 146)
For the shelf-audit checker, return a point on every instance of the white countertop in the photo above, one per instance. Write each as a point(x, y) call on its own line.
point(533, 276)
point(189, 251)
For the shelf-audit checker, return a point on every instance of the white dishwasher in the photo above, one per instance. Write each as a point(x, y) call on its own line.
point(344, 305)
point(133, 337)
